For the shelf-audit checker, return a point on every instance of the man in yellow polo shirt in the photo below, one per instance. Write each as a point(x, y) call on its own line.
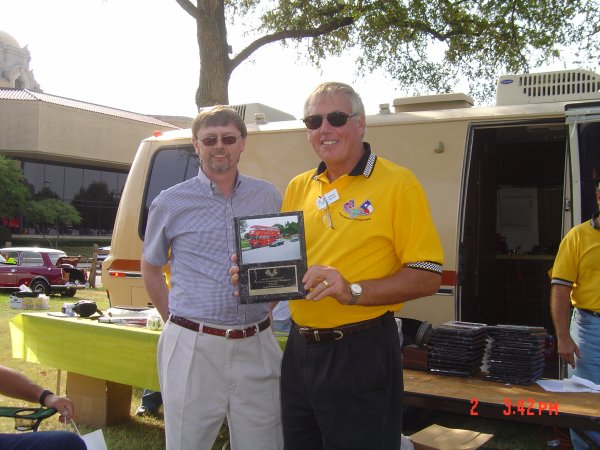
point(576, 283)
point(371, 246)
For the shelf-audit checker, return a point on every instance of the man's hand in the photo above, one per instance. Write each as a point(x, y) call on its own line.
point(234, 274)
point(63, 405)
point(324, 281)
point(567, 349)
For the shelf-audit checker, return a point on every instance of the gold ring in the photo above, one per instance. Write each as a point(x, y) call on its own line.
point(326, 283)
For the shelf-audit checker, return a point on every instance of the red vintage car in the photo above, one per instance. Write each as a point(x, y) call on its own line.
point(44, 270)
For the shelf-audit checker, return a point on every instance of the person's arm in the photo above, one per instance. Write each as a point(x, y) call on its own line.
point(16, 385)
point(404, 285)
point(560, 307)
point(156, 286)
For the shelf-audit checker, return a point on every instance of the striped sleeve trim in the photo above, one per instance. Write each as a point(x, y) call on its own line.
point(426, 265)
point(561, 282)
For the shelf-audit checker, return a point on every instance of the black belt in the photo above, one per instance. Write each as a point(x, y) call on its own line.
point(229, 333)
point(312, 335)
point(593, 313)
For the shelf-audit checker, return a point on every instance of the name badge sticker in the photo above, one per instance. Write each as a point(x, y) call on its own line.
point(327, 199)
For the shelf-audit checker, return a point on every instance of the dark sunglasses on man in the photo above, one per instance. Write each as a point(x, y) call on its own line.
point(335, 119)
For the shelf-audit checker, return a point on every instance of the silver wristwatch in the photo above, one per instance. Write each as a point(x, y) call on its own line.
point(355, 290)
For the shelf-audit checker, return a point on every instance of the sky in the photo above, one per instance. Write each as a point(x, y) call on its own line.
point(142, 56)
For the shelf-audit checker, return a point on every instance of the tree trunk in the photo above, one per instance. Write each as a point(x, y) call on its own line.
point(215, 66)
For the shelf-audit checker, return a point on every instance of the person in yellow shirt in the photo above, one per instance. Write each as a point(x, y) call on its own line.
point(575, 307)
point(371, 245)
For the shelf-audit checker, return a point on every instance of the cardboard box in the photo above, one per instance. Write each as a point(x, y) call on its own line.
point(436, 437)
point(98, 403)
point(28, 301)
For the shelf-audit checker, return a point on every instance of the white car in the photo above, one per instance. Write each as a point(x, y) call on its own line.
point(102, 253)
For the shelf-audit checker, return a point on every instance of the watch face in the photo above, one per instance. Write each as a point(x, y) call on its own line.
point(356, 289)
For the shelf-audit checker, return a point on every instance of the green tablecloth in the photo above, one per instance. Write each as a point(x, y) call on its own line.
point(123, 354)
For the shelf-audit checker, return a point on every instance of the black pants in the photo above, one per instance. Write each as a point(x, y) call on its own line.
point(344, 394)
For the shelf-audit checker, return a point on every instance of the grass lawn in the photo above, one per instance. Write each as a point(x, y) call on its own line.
point(148, 433)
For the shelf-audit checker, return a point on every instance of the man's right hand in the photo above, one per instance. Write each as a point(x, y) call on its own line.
point(567, 349)
point(234, 276)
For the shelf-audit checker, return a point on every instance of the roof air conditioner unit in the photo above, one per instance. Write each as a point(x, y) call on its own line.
point(546, 87)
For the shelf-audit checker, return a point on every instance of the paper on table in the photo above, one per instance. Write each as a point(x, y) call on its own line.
point(573, 384)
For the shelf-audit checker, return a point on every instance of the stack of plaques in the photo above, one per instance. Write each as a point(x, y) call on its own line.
point(457, 348)
point(516, 354)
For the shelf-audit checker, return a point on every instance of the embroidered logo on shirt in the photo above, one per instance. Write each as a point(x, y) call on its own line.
point(364, 209)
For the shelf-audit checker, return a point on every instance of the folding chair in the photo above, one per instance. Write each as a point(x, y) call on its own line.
point(27, 419)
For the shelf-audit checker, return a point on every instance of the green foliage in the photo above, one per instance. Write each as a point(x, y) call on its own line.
point(13, 191)
point(289, 229)
point(51, 212)
point(480, 39)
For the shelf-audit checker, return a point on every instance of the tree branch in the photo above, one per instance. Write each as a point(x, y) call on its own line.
point(289, 34)
point(188, 6)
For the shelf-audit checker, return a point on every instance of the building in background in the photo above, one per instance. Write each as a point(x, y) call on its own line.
point(68, 149)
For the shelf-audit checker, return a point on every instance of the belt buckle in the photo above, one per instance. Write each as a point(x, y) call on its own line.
point(305, 331)
point(230, 330)
point(339, 334)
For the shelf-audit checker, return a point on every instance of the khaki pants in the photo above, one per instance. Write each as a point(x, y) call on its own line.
point(205, 378)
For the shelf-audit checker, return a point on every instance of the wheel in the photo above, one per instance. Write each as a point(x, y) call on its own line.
point(69, 293)
point(40, 286)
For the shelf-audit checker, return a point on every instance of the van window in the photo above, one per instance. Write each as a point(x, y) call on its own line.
point(170, 166)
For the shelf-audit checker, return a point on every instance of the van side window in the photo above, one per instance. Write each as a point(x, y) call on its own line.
point(170, 166)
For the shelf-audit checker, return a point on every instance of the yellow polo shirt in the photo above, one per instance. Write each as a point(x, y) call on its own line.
point(381, 221)
point(577, 265)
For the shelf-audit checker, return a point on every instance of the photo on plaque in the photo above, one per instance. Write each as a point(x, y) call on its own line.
point(271, 252)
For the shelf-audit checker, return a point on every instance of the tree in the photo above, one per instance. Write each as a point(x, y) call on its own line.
point(51, 212)
point(481, 38)
point(13, 191)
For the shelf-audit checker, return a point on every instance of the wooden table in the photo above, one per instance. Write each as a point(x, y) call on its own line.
point(476, 397)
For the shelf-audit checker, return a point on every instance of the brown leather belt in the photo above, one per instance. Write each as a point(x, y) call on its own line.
point(313, 335)
point(229, 333)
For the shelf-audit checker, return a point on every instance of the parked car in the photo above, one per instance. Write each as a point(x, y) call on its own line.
point(102, 253)
point(44, 270)
point(294, 239)
point(276, 243)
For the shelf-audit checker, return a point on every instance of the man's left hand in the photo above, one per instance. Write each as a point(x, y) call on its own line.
point(324, 281)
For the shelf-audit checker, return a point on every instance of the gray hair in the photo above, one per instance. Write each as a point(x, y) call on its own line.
point(334, 88)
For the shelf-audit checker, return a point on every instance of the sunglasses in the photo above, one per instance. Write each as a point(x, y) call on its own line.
point(335, 119)
point(211, 141)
